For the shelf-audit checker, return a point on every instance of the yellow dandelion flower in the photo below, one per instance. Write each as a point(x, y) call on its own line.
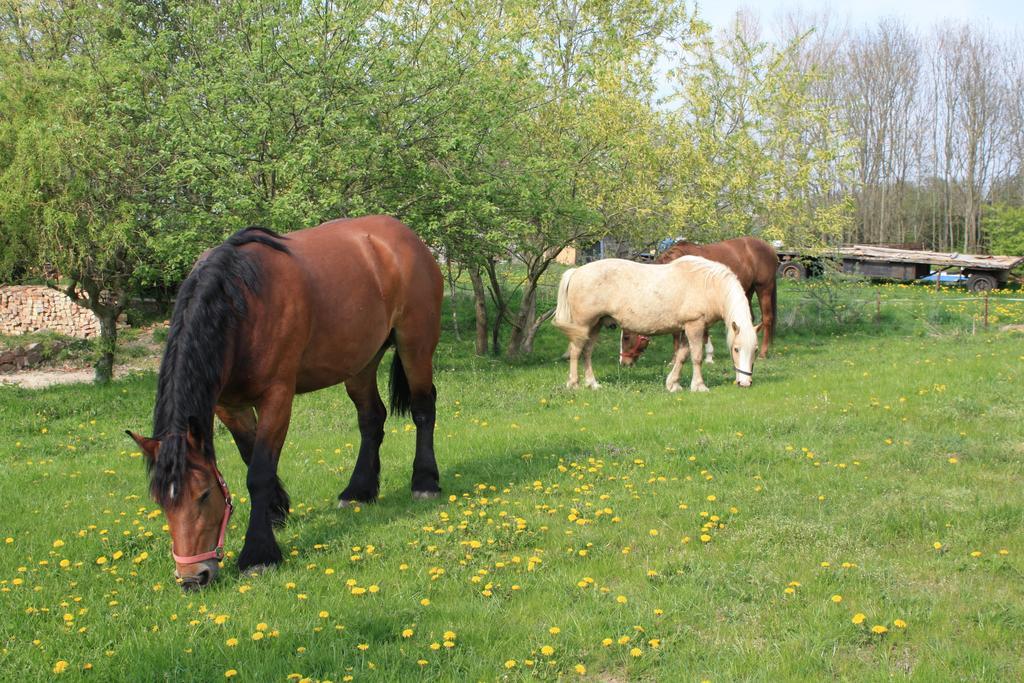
point(102, 559)
point(262, 626)
point(554, 630)
point(879, 629)
point(231, 642)
point(258, 635)
point(606, 642)
point(622, 599)
point(425, 602)
point(407, 633)
point(60, 666)
point(547, 650)
point(623, 640)
point(422, 662)
point(635, 652)
point(580, 669)
point(363, 647)
point(837, 599)
point(858, 618)
point(324, 614)
point(510, 663)
point(976, 553)
point(704, 538)
point(899, 623)
point(230, 673)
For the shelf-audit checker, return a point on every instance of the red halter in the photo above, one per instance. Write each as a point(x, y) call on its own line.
point(218, 552)
point(635, 352)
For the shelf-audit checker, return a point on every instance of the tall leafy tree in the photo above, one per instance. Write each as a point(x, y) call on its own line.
point(82, 95)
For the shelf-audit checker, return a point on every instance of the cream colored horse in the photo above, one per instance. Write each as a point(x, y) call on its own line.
point(686, 295)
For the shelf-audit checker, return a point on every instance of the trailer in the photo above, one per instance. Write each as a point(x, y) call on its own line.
point(982, 272)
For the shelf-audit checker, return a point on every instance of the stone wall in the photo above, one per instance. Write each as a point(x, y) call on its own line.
point(36, 308)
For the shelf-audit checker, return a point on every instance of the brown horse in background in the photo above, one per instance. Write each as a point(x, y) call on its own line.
point(261, 318)
point(754, 262)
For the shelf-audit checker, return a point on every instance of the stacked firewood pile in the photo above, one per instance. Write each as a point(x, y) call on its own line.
point(35, 308)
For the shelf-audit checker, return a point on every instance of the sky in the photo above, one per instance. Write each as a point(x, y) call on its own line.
point(1000, 14)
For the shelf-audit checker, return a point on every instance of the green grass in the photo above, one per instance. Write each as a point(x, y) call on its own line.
point(863, 447)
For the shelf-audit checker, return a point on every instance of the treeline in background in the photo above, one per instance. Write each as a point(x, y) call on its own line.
point(134, 134)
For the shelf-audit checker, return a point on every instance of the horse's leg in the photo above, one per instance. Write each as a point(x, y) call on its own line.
point(678, 358)
point(417, 362)
point(709, 348)
point(274, 410)
point(241, 422)
point(365, 481)
point(695, 335)
point(574, 359)
point(766, 300)
point(588, 351)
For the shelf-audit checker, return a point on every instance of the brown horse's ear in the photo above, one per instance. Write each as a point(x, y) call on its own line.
point(735, 327)
point(149, 446)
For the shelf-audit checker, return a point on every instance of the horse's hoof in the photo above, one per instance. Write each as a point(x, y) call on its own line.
point(342, 503)
point(258, 569)
point(710, 361)
point(572, 385)
point(594, 385)
point(674, 388)
point(425, 495)
point(699, 388)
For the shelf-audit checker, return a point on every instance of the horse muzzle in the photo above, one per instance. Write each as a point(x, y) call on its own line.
point(198, 575)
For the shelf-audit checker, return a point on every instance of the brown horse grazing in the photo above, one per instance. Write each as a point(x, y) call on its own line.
point(261, 318)
point(753, 260)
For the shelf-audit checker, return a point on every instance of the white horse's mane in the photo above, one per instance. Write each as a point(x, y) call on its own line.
point(713, 270)
point(710, 268)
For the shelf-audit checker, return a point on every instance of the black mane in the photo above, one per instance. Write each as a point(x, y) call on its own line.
point(210, 303)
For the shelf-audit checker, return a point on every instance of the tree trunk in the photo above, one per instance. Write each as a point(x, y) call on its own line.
point(525, 316)
point(480, 301)
point(453, 293)
point(532, 332)
point(500, 304)
point(104, 368)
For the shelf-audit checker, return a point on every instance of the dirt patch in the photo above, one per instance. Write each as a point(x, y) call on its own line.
point(48, 377)
point(139, 352)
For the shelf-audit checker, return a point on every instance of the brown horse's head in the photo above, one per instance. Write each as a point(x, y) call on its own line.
point(631, 346)
point(195, 500)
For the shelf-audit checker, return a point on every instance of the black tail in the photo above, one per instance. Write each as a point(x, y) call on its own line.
point(401, 396)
